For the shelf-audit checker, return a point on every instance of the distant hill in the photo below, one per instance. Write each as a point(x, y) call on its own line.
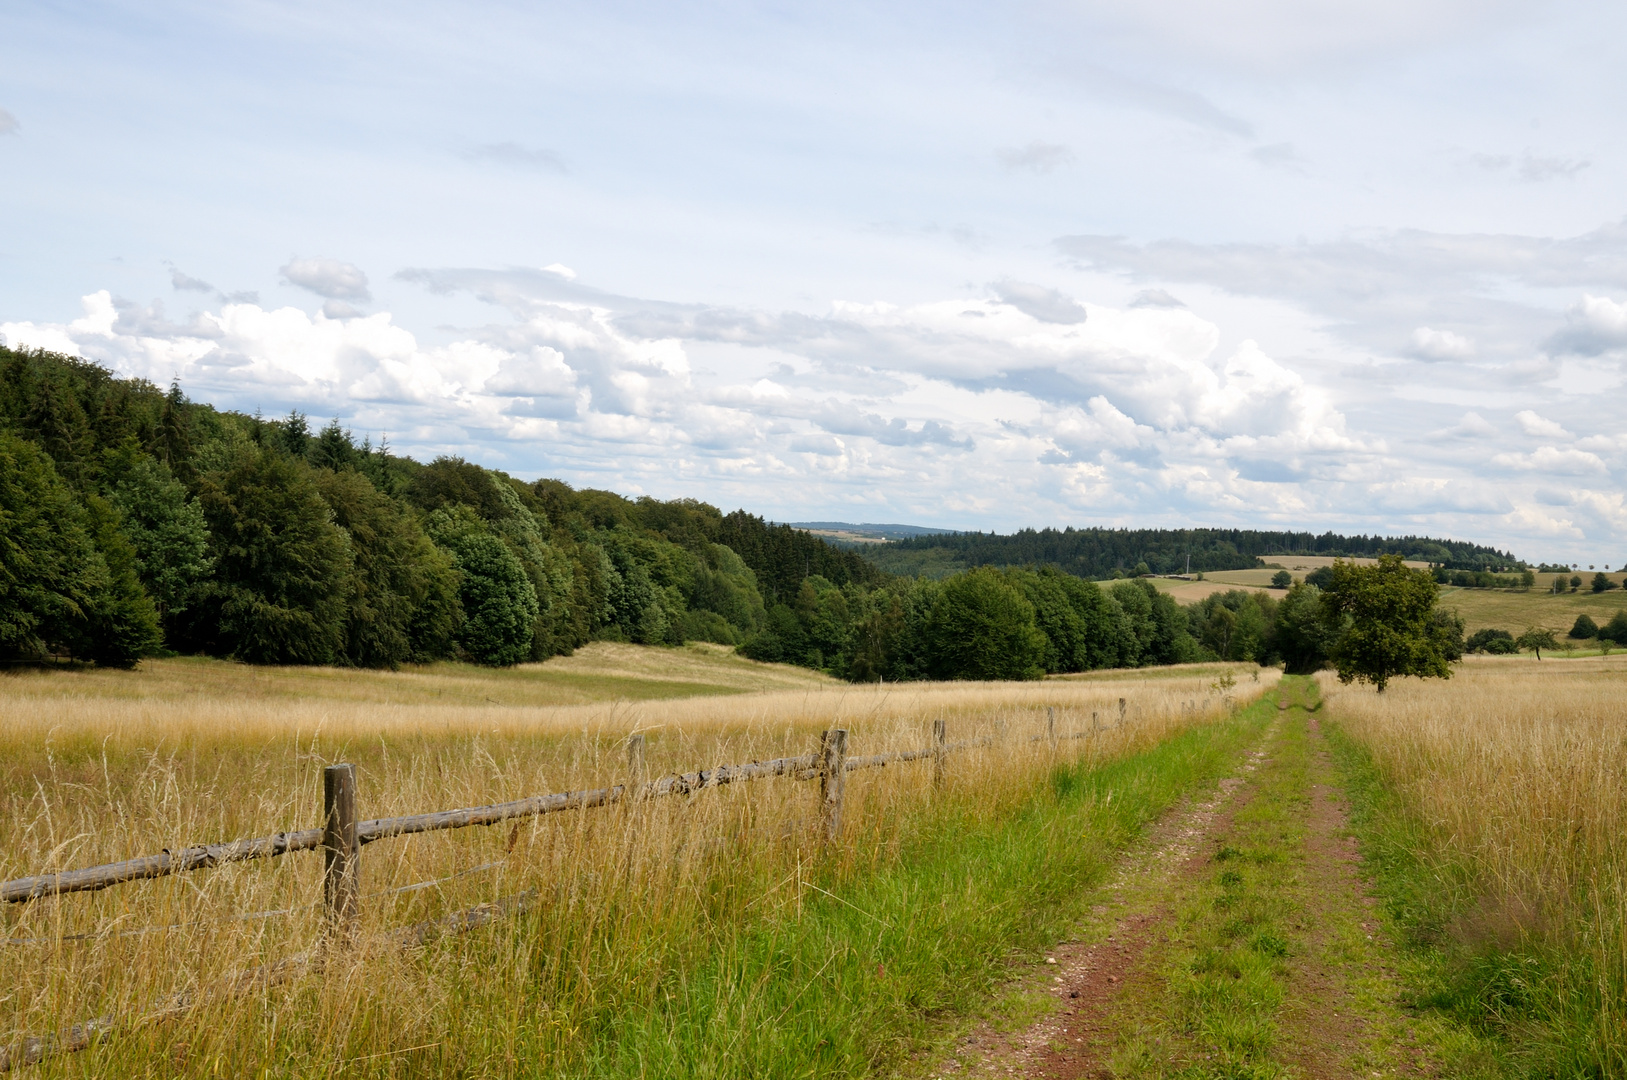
point(847, 534)
point(1099, 553)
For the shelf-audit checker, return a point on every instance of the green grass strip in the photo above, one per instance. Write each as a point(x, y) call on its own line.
point(874, 966)
point(1521, 1009)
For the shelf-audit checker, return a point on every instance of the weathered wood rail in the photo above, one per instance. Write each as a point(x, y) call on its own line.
point(341, 837)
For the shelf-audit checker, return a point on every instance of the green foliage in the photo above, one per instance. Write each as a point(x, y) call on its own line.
point(1616, 629)
point(121, 623)
point(281, 587)
point(1535, 639)
point(1301, 635)
point(403, 590)
point(1281, 579)
point(1584, 627)
point(499, 604)
point(1491, 640)
point(982, 627)
point(1602, 582)
point(1384, 613)
point(58, 591)
point(1097, 553)
point(165, 526)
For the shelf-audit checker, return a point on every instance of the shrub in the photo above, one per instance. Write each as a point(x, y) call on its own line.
point(1616, 629)
point(1491, 640)
point(1584, 627)
point(1602, 583)
point(1281, 579)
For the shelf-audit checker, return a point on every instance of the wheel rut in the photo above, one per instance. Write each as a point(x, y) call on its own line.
point(1238, 940)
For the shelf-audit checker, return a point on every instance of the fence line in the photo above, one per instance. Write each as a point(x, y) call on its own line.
point(341, 838)
point(208, 856)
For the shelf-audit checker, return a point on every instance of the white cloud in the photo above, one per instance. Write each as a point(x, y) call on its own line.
point(330, 278)
point(1539, 426)
point(1430, 344)
point(1552, 459)
point(1139, 414)
point(1594, 324)
point(1471, 426)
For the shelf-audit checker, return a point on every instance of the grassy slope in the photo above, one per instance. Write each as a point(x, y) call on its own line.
point(602, 671)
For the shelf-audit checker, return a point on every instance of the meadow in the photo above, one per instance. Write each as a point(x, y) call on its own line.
point(1492, 809)
point(715, 934)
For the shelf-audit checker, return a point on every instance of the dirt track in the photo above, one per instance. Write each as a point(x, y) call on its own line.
point(1237, 940)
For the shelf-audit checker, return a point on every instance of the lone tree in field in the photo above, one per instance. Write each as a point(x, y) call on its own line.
point(1535, 639)
point(1384, 615)
point(1281, 579)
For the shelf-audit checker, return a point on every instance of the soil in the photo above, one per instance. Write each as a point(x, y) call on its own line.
point(1341, 1014)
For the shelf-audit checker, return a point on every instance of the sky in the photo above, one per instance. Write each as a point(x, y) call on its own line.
point(1267, 263)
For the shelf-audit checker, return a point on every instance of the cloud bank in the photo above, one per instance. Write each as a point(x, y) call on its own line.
point(1022, 405)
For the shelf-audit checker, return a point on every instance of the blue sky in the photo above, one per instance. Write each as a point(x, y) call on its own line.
point(1277, 264)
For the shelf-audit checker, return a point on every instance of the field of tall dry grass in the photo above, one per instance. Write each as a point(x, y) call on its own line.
point(96, 768)
point(1511, 779)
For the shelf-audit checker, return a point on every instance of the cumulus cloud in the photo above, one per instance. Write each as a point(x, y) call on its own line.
point(1008, 404)
point(328, 278)
point(1553, 459)
point(1471, 426)
point(1369, 287)
point(1593, 325)
point(1431, 344)
point(8, 123)
point(515, 155)
point(1539, 426)
point(1036, 157)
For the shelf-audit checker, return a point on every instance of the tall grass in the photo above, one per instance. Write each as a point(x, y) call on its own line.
point(639, 908)
point(1495, 806)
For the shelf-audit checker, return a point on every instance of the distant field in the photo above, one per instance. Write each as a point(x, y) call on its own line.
point(602, 671)
point(1515, 609)
point(1504, 609)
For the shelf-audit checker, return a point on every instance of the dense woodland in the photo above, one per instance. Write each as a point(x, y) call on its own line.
point(1102, 553)
point(134, 522)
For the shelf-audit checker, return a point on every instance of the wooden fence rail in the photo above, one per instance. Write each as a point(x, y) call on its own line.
point(341, 838)
point(205, 856)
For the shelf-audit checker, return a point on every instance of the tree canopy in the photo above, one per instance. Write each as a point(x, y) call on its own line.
point(1383, 615)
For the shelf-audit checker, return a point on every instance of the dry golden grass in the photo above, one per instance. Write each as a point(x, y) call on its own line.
point(105, 766)
point(1516, 770)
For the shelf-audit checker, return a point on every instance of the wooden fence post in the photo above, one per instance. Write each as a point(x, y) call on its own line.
point(833, 777)
point(939, 735)
point(1121, 710)
point(341, 851)
point(635, 765)
point(1050, 724)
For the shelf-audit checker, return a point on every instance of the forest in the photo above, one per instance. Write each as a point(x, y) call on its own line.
point(1102, 553)
point(136, 522)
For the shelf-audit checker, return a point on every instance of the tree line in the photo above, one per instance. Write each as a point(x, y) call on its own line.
point(135, 522)
point(1100, 553)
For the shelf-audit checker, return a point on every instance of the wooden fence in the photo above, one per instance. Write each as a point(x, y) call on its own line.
point(342, 835)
